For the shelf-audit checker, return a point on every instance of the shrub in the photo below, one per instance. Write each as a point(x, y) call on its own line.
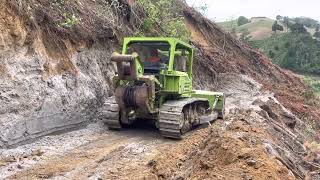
point(242, 20)
point(70, 21)
point(298, 28)
point(271, 54)
point(276, 27)
point(163, 18)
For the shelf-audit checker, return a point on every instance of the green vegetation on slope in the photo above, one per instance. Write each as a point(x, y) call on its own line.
point(163, 18)
point(295, 51)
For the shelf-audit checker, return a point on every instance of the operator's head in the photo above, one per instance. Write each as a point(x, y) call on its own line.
point(154, 52)
point(154, 58)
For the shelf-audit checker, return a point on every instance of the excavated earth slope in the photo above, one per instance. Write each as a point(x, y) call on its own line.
point(56, 76)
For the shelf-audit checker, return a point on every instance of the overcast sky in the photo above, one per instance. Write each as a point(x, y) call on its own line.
point(221, 10)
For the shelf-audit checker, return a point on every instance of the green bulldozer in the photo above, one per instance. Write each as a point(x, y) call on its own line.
point(154, 83)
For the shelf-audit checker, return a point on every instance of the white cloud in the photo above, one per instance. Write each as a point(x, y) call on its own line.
point(221, 10)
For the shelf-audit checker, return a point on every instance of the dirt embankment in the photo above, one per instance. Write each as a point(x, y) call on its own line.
point(55, 71)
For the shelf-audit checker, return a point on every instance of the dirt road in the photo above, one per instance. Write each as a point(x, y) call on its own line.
point(99, 153)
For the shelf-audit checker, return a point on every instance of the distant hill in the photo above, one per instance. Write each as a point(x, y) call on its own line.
point(260, 28)
point(296, 49)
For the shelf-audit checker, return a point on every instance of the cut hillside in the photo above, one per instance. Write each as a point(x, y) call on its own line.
point(56, 74)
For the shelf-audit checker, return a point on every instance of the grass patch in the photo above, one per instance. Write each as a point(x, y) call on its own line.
point(256, 29)
point(257, 25)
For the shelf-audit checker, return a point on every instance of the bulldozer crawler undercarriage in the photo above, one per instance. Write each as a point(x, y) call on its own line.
point(176, 117)
point(180, 116)
point(111, 114)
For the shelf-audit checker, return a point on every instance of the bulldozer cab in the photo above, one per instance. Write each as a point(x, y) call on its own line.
point(157, 54)
point(153, 55)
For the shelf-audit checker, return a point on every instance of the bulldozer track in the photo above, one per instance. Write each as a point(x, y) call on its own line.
point(111, 114)
point(176, 117)
point(172, 118)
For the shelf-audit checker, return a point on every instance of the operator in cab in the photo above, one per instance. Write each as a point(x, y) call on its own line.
point(155, 61)
point(154, 56)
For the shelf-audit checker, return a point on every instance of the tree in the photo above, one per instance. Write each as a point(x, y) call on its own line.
point(317, 35)
point(276, 27)
point(286, 21)
point(278, 17)
point(279, 27)
point(271, 54)
point(298, 28)
point(162, 18)
point(243, 20)
point(308, 22)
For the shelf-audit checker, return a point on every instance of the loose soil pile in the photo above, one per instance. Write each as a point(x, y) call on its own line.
point(234, 153)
